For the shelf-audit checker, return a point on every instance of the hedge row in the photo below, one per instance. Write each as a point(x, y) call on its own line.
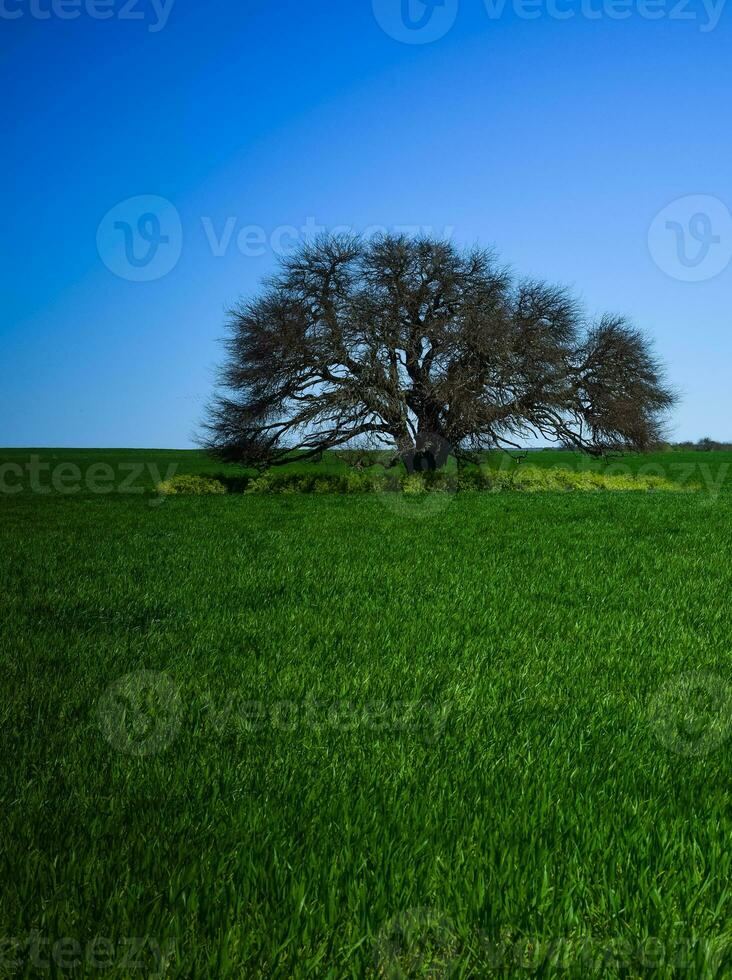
point(528, 479)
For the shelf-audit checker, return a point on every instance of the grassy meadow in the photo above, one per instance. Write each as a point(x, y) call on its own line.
point(334, 736)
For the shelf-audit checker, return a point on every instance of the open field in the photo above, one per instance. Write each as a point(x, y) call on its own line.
point(302, 735)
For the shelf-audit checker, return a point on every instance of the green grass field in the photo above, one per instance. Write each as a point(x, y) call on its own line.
point(316, 736)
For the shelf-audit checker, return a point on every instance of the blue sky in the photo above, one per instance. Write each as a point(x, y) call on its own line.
point(589, 141)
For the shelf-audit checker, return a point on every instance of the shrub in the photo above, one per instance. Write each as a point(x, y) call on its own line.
point(260, 484)
point(195, 485)
point(357, 482)
point(326, 486)
point(414, 483)
point(531, 479)
point(483, 479)
point(526, 479)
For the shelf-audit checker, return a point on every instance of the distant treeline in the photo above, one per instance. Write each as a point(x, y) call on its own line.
point(705, 445)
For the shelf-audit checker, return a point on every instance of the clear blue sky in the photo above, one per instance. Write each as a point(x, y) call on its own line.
point(557, 140)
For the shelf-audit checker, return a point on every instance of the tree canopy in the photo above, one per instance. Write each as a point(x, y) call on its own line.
point(412, 345)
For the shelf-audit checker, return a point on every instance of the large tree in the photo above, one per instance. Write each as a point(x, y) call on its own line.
point(412, 345)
